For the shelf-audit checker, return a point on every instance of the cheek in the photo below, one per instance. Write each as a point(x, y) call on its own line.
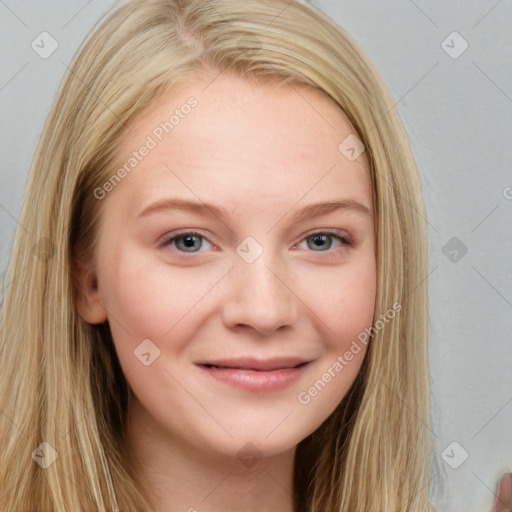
point(347, 301)
point(149, 300)
point(347, 315)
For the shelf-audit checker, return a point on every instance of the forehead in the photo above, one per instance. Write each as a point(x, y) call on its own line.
point(231, 139)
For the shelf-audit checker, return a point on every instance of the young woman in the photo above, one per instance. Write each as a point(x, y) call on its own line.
point(219, 301)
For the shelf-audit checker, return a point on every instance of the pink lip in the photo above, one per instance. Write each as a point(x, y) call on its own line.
point(256, 375)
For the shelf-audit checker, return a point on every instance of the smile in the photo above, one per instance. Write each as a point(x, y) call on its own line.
point(256, 375)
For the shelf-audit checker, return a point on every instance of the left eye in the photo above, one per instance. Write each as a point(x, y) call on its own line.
point(191, 242)
point(323, 240)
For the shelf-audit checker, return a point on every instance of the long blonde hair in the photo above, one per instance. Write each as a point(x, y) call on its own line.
point(60, 380)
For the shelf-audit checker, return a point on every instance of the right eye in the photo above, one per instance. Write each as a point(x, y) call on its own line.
point(184, 241)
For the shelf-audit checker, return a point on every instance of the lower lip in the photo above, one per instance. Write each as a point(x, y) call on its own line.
point(252, 380)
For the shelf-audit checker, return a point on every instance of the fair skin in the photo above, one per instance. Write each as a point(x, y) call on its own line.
point(262, 153)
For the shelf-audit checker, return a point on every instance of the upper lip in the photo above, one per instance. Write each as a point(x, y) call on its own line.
point(251, 363)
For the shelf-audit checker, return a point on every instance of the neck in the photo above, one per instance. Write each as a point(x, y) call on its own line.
point(178, 476)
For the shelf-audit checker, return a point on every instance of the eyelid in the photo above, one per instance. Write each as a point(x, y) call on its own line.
point(340, 233)
point(165, 239)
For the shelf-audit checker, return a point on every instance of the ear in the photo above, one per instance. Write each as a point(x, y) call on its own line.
point(88, 299)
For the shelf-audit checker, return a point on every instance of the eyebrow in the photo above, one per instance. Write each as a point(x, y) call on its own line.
point(209, 209)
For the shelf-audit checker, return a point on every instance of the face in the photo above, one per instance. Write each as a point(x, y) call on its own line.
point(235, 264)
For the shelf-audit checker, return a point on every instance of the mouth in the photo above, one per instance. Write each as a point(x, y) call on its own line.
point(256, 375)
point(257, 365)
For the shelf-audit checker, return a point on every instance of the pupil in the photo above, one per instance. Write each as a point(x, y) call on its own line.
point(189, 241)
point(320, 241)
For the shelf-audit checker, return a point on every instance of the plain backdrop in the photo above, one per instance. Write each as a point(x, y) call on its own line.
point(448, 66)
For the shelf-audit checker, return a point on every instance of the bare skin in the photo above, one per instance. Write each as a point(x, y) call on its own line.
point(262, 153)
point(503, 501)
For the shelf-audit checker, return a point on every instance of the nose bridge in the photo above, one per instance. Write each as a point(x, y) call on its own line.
point(259, 295)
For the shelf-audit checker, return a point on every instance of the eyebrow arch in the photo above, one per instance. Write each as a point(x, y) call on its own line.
point(207, 209)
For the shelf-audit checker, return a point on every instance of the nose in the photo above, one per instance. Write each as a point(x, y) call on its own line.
point(260, 296)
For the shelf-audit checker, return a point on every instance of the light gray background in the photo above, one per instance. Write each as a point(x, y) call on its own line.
point(458, 112)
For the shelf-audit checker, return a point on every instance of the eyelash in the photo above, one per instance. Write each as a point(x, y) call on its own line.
point(345, 239)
